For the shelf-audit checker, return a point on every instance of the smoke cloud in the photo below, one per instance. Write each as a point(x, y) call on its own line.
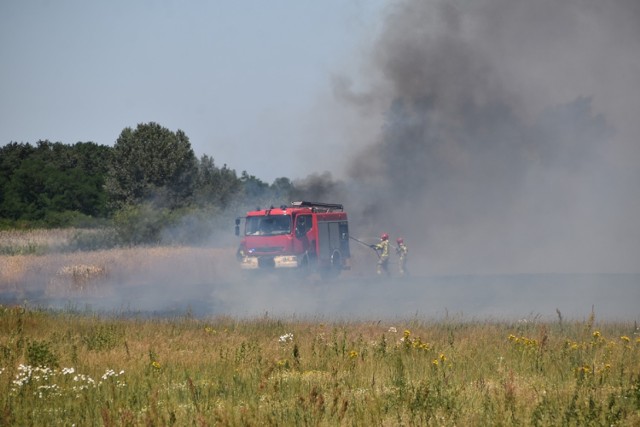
point(318, 187)
point(498, 137)
point(507, 135)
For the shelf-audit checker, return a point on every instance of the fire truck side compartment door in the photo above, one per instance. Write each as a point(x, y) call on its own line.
point(334, 236)
point(329, 238)
point(323, 240)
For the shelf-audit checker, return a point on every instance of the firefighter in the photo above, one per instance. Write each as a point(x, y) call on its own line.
point(383, 256)
point(402, 251)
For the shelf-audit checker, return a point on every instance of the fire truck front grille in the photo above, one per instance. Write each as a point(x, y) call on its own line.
point(266, 262)
point(269, 249)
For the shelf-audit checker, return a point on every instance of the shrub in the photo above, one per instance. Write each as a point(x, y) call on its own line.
point(39, 353)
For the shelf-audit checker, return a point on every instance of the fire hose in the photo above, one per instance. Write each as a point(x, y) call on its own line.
point(365, 244)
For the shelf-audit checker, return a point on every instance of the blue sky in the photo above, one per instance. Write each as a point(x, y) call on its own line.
point(243, 79)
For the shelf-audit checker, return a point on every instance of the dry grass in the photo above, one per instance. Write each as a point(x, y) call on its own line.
point(39, 238)
point(81, 269)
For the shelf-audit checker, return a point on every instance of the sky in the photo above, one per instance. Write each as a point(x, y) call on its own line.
point(244, 79)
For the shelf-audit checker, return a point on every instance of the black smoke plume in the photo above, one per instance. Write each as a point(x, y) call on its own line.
point(502, 146)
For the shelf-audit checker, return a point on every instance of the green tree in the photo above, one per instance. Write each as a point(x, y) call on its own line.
point(52, 184)
point(11, 157)
point(282, 188)
point(215, 186)
point(257, 193)
point(252, 187)
point(152, 164)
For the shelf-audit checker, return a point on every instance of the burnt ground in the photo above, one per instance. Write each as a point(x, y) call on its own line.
point(468, 297)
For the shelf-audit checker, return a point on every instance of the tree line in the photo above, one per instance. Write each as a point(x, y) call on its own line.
point(143, 186)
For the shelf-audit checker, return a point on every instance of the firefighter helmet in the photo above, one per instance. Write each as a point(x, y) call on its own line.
point(384, 236)
point(400, 240)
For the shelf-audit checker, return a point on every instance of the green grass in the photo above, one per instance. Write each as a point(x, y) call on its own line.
point(70, 368)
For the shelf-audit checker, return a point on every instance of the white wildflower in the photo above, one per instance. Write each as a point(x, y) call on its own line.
point(286, 338)
point(108, 373)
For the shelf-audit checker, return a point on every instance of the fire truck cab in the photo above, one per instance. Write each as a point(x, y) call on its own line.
point(303, 235)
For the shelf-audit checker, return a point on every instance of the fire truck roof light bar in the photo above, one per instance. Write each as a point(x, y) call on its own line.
point(305, 204)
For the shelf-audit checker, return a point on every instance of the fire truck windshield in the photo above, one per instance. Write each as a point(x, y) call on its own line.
point(269, 225)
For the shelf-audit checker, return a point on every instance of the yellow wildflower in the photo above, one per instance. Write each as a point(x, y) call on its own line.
point(155, 364)
point(583, 370)
point(625, 338)
point(353, 354)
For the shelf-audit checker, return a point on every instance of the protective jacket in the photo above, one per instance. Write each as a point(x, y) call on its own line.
point(402, 250)
point(383, 247)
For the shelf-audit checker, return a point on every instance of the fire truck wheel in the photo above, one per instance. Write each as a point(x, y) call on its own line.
point(336, 260)
point(336, 265)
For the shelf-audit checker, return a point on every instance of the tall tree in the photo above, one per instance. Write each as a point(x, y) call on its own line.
point(215, 186)
point(11, 157)
point(152, 164)
point(253, 188)
point(52, 183)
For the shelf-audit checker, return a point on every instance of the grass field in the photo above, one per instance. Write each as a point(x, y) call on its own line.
point(70, 368)
point(76, 367)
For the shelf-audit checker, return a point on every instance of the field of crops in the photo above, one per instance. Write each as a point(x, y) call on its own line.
point(75, 366)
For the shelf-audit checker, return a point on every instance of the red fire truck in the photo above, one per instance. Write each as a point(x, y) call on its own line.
point(302, 236)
